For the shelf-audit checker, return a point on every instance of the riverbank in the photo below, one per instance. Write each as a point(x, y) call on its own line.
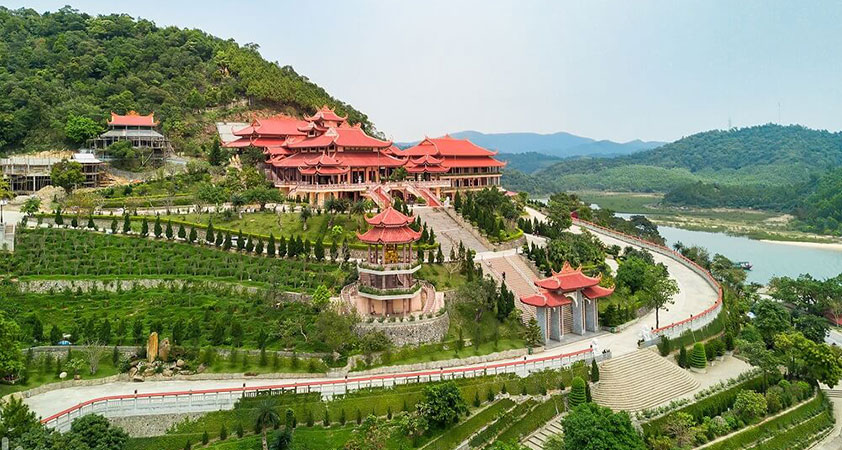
point(753, 224)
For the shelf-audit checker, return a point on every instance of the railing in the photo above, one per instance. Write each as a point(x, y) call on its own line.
point(219, 399)
point(694, 322)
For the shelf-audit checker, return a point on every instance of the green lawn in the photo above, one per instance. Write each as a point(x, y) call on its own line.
point(39, 375)
point(286, 224)
point(439, 277)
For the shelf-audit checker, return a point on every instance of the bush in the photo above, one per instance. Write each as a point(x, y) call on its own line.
point(452, 437)
point(665, 345)
point(577, 393)
point(698, 358)
point(533, 420)
point(594, 372)
point(682, 358)
point(749, 406)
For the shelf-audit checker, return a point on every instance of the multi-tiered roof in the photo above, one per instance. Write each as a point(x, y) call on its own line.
point(132, 119)
point(389, 227)
point(555, 289)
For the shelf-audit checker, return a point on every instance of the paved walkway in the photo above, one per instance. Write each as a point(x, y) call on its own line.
point(694, 296)
point(448, 232)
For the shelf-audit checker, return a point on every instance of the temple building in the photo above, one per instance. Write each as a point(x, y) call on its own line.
point(28, 174)
point(387, 286)
point(567, 303)
point(140, 130)
point(323, 156)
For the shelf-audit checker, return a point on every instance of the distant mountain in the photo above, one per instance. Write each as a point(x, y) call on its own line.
point(561, 144)
point(529, 162)
point(557, 145)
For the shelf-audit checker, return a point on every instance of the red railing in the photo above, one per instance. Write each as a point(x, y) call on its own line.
point(360, 382)
point(675, 255)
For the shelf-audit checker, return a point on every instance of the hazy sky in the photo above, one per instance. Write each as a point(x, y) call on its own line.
point(620, 70)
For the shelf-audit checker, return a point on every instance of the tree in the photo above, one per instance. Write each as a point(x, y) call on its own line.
point(67, 174)
point(16, 419)
point(770, 319)
point(371, 434)
point(209, 235)
point(157, 227)
point(809, 360)
point(267, 416)
point(749, 405)
point(94, 351)
point(282, 440)
point(79, 129)
point(270, 246)
point(11, 358)
point(532, 334)
point(169, 232)
point(658, 290)
point(814, 328)
point(127, 223)
point(593, 427)
point(319, 250)
point(215, 155)
point(577, 392)
point(443, 404)
point(594, 371)
point(698, 359)
point(96, 432)
point(144, 227)
point(31, 206)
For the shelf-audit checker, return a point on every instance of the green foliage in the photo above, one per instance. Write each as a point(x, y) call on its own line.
point(698, 358)
point(11, 358)
point(66, 174)
point(594, 371)
point(533, 420)
point(592, 427)
point(443, 404)
point(749, 405)
point(455, 435)
point(503, 422)
point(116, 63)
point(80, 129)
point(577, 392)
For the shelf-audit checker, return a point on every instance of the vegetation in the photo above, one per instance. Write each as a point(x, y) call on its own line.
point(491, 211)
point(534, 419)
point(90, 432)
point(589, 426)
point(65, 69)
point(454, 436)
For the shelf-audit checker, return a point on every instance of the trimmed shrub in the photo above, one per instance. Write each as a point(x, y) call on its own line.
point(698, 358)
point(594, 372)
point(577, 393)
point(665, 346)
point(682, 358)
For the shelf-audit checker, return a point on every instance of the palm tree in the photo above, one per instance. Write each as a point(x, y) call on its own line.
point(267, 417)
point(357, 208)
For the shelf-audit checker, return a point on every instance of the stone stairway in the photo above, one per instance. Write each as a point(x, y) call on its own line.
point(539, 438)
point(380, 198)
point(640, 380)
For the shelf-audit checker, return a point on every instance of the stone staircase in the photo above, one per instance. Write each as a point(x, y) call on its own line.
point(539, 438)
point(640, 380)
point(380, 198)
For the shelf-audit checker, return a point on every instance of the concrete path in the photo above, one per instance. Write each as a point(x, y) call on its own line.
point(694, 296)
point(448, 232)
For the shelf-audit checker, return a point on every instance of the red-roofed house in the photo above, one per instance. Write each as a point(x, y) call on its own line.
point(468, 166)
point(567, 303)
point(140, 130)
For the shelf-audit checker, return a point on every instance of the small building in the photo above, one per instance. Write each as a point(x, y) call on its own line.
point(567, 303)
point(28, 174)
point(140, 130)
point(387, 286)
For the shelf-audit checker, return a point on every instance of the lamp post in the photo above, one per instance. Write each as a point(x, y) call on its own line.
point(3, 203)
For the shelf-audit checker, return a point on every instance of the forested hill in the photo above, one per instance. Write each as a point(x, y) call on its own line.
point(66, 63)
point(770, 155)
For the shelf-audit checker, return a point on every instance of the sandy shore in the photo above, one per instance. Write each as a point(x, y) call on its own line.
point(819, 245)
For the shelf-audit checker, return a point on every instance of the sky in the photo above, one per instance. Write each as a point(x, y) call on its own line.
point(619, 70)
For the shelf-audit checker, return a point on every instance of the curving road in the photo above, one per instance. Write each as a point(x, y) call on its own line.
point(694, 296)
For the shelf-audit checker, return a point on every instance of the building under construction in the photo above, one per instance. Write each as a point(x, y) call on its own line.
point(139, 130)
point(28, 174)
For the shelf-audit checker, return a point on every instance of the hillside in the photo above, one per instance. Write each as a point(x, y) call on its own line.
point(528, 162)
point(66, 63)
point(766, 155)
point(559, 145)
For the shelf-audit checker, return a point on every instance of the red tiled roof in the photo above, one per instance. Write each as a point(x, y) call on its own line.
point(356, 137)
point(279, 125)
point(261, 141)
point(326, 114)
point(447, 146)
point(323, 140)
point(238, 143)
point(595, 292)
point(324, 159)
point(133, 119)
point(323, 170)
point(472, 161)
point(369, 159)
point(389, 217)
point(247, 131)
point(547, 299)
point(426, 164)
point(569, 279)
point(378, 235)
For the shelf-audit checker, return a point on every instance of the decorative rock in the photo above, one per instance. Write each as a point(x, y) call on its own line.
point(179, 363)
point(77, 377)
point(152, 347)
point(201, 368)
point(132, 372)
point(167, 373)
point(62, 375)
point(137, 379)
point(164, 350)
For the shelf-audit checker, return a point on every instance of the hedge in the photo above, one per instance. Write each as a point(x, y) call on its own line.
point(577, 392)
point(801, 435)
point(698, 359)
point(773, 427)
point(711, 406)
point(533, 419)
point(691, 337)
point(502, 422)
point(150, 201)
point(455, 435)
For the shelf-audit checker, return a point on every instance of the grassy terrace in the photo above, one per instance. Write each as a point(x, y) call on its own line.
point(309, 408)
point(62, 252)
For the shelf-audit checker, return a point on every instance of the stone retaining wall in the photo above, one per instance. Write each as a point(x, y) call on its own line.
point(157, 425)
point(410, 332)
point(455, 362)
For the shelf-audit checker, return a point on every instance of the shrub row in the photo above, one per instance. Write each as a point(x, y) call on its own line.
point(454, 436)
point(534, 419)
point(150, 201)
point(502, 422)
point(711, 406)
point(774, 427)
point(801, 435)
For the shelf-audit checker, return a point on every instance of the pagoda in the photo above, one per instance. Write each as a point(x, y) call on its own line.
point(387, 286)
point(567, 303)
point(140, 130)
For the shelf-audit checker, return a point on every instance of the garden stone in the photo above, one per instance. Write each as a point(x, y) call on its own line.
point(62, 375)
point(179, 363)
point(137, 379)
point(164, 350)
point(152, 347)
point(167, 373)
point(132, 372)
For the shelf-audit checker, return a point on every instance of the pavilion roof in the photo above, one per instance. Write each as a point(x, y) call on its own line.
point(389, 217)
point(326, 113)
point(569, 279)
point(379, 235)
point(595, 292)
point(426, 164)
point(548, 299)
point(447, 146)
point(279, 125)
point(133, 119)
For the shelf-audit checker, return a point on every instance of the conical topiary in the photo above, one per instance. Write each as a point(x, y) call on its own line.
point(594, 371)
point(697, 356)
point(577, 392)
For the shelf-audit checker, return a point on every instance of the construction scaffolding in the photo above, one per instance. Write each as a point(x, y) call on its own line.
point(27, 175)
